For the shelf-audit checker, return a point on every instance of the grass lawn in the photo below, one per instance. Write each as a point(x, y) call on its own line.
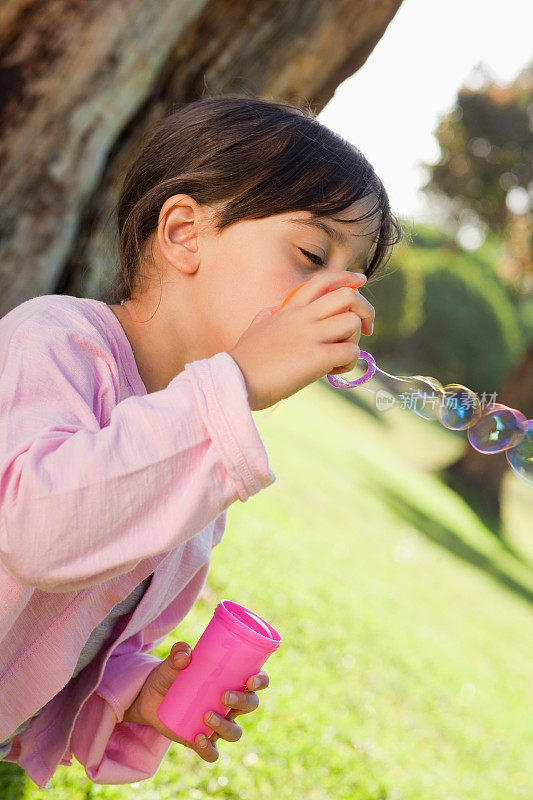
point(405, 670)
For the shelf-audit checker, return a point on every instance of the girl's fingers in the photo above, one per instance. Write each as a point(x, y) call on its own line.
point(323, 282)
point(224, 727)
point(340, 327)
point(207, 749)
point(262, 680)
point(243, 701)
point(345, 299)
point(230, 715)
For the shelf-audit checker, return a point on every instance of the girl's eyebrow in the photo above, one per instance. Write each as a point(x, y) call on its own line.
point(315, 222)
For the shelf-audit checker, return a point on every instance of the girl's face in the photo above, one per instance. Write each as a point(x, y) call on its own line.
point(204, 287)
point(254, 264)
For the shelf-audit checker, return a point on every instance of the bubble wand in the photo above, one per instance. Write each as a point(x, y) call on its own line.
point(493, 428)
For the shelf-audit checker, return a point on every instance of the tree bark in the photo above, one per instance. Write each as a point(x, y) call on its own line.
point(82, 83)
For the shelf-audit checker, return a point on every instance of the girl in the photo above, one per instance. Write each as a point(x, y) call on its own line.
point(126, 429)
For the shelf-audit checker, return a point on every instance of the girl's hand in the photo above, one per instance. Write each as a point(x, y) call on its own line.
point(315, 333)
point(144, 707)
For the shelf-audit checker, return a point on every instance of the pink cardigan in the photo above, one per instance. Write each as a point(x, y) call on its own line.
point(101, 485)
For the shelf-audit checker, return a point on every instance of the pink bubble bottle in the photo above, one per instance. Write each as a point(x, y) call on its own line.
point(233, 647)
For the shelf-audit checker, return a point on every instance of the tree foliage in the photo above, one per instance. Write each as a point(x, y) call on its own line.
point(486, 144)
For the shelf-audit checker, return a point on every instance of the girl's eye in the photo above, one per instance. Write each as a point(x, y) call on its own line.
point(312, 256)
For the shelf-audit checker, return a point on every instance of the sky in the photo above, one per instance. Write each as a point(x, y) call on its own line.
point(391, 106)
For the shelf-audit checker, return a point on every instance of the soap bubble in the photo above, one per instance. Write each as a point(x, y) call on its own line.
point(461, 407)
point(419, 393)
point(520, 457)
point(499, 428)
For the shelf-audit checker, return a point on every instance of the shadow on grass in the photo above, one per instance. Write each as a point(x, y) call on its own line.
point(487, 515)
point(478, 503)
point(445, 537)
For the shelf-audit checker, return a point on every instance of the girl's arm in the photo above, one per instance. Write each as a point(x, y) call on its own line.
point(80, 504)
point(111, 750)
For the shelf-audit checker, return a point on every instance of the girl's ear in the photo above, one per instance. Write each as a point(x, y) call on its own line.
point(177, 232)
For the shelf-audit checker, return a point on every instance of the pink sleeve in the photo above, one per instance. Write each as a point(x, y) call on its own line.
point(113, 751)
point(81, 503)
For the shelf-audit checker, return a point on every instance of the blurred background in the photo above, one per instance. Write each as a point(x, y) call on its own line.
point(447, 122)
point(394, 559)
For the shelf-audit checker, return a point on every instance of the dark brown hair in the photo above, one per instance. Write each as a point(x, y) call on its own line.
point(258, 156)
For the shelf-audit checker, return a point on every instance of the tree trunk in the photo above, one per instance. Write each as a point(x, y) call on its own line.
point(82, 83)
point(477, 476)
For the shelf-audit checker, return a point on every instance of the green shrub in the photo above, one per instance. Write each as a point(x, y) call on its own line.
point(445, 312)
point(428, 236)
point(397, 297)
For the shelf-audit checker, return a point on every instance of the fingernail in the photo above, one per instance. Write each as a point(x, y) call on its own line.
point(231, 697)
point(181, 657)
point(254, 683)
point(202, 740)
